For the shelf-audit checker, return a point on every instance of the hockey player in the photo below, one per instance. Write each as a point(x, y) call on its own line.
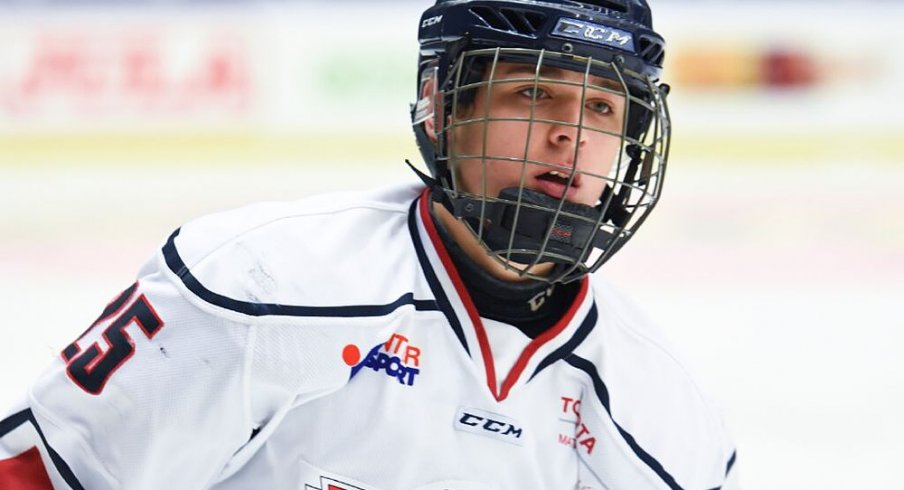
point(443, 335)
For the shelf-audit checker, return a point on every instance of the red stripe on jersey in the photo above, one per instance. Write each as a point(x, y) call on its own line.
point(24, 472)
point(482, 338)
point(543, 338)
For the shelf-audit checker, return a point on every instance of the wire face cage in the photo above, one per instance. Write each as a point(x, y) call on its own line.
point(554, 160)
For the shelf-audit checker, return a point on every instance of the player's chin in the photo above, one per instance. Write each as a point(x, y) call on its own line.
point(520, 271)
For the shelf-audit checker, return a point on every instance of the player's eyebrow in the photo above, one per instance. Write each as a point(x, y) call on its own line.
point(515, 70)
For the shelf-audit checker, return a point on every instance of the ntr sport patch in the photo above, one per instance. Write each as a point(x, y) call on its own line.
point(594, 33)
point(396, 357)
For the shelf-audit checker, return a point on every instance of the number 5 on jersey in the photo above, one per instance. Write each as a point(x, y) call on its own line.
point(92, 368)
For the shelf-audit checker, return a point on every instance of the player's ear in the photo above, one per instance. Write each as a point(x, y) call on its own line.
point(429, 99)
point(429, 96)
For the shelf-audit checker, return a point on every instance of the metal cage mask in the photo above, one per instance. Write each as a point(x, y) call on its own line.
point(524, 201)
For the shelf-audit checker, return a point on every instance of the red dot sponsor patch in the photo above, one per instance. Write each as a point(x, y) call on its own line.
point(351, 354)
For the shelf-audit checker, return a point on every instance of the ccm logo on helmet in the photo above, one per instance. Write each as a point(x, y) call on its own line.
point(488, 424)
point(594, 33)
point(432, 21)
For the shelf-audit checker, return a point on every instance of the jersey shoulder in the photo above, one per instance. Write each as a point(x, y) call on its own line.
point(338, 249)
point(207, 235)
point(651, 392)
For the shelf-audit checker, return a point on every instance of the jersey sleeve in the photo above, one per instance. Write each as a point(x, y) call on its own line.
point(153, 395)
point(239, 317)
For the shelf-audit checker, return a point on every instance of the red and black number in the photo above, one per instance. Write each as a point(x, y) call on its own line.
point(91, 368)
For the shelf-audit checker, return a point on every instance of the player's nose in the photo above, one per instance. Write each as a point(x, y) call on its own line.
point(566, 124)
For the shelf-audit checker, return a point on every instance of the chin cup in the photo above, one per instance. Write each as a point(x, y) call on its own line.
point(526, 226)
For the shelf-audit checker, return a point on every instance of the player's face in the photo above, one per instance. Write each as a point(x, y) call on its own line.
point(552, 145)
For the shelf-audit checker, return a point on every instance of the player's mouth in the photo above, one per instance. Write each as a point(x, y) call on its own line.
point(555, 183)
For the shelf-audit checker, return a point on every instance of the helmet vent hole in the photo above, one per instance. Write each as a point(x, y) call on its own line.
point(524, 22)
point(492, 18)
point(652, 50)
point(510, 20)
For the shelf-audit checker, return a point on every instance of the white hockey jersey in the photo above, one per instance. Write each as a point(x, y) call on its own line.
point(329, 344)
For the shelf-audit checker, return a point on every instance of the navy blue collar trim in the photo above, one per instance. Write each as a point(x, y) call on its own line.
point(26, 416)
point(603, 394)
point(442, 300)
point(567, 348)
point(177, 265)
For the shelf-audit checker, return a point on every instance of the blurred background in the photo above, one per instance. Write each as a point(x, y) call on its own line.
point(775, 261)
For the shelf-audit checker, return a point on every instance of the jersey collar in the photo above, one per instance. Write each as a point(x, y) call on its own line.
point(455, 302)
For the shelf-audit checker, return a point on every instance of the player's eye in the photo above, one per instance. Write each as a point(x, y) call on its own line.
point(534, 93)
point(600, 106)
